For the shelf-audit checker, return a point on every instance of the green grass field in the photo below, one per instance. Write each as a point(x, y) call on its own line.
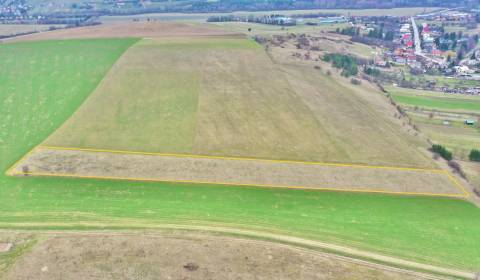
point(449, 104)
point(436, 100)
point(43, 83)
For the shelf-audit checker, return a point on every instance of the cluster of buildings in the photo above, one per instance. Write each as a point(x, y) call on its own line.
point(428, 40)
point(404, 52)
point(13, 10)
point(449, 15)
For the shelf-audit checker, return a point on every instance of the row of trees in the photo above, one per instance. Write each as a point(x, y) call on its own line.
point(350, 31)
point(270, 19)
point(379, 33)
point(442, 151)
point(474, 155)
point(446, 154)
point(376, 33)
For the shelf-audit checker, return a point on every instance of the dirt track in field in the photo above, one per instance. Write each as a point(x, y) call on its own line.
point(130, 29)
point(183, 255)
point(47, 161)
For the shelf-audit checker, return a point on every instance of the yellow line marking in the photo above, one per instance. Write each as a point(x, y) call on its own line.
point(457, 184)
point(234, 184)
point(243, 159)
point(451, 178)
point(11, 170)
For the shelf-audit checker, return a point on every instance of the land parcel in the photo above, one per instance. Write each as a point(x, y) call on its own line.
point(224, 97)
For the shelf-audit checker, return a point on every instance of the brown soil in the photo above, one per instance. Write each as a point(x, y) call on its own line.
point(181, 255)
point(130, 29)
point(45, 161)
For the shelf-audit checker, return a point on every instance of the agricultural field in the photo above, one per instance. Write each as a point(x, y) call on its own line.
point(268, 29)
point(442, 118)
point(235, 102)
point(442, 115)
point(436, 100)
point(80, 92)
point(202, 17)
point(441, 81)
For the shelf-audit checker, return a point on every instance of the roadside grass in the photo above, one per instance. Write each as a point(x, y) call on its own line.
point(43, 83)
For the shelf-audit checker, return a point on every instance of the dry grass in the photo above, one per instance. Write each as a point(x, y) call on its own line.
point(182, 255)
point(45, 161)
point(130, 29)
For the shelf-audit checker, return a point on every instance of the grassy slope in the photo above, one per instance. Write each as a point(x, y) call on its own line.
point(200, 96)
point(225, 97)
point(442, 231)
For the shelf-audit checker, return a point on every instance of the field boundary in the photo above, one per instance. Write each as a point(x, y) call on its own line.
point(464, 194)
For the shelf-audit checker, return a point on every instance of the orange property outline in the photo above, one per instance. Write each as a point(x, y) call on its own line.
point(450, 177)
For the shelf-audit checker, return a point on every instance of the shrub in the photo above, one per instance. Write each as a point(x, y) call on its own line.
point(474, 155)
point(442, 151)
point(347, 63)
point(457, 168)
point(355, 81)
point(372, 71)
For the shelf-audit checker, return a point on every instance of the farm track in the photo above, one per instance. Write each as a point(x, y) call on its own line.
point(334, 251)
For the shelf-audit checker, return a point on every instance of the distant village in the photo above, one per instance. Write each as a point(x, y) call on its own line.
point(442, 44)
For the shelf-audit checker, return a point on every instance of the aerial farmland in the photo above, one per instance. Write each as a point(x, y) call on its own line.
point(135, 136)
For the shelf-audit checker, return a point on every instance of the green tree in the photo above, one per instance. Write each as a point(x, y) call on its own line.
point(442, 151)
point(474, 155)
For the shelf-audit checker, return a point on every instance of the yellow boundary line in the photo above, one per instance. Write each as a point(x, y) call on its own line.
point(232, 184)
point(457, 184)
point(11, 170)
point(450, 177)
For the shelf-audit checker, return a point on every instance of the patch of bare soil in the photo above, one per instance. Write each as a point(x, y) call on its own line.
point(184, 256)
point(5, 247)
point(45, 161)
point(131, 29)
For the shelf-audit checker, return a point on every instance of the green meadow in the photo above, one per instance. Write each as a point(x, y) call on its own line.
point(43, 83)
point(435, 100)
point(430, 109)
point(450, 104)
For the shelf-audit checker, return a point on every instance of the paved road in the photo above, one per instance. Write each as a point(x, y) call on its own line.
point(416, 36)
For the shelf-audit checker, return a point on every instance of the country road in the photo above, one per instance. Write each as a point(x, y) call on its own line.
point(358, 255)
point(416, 36)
